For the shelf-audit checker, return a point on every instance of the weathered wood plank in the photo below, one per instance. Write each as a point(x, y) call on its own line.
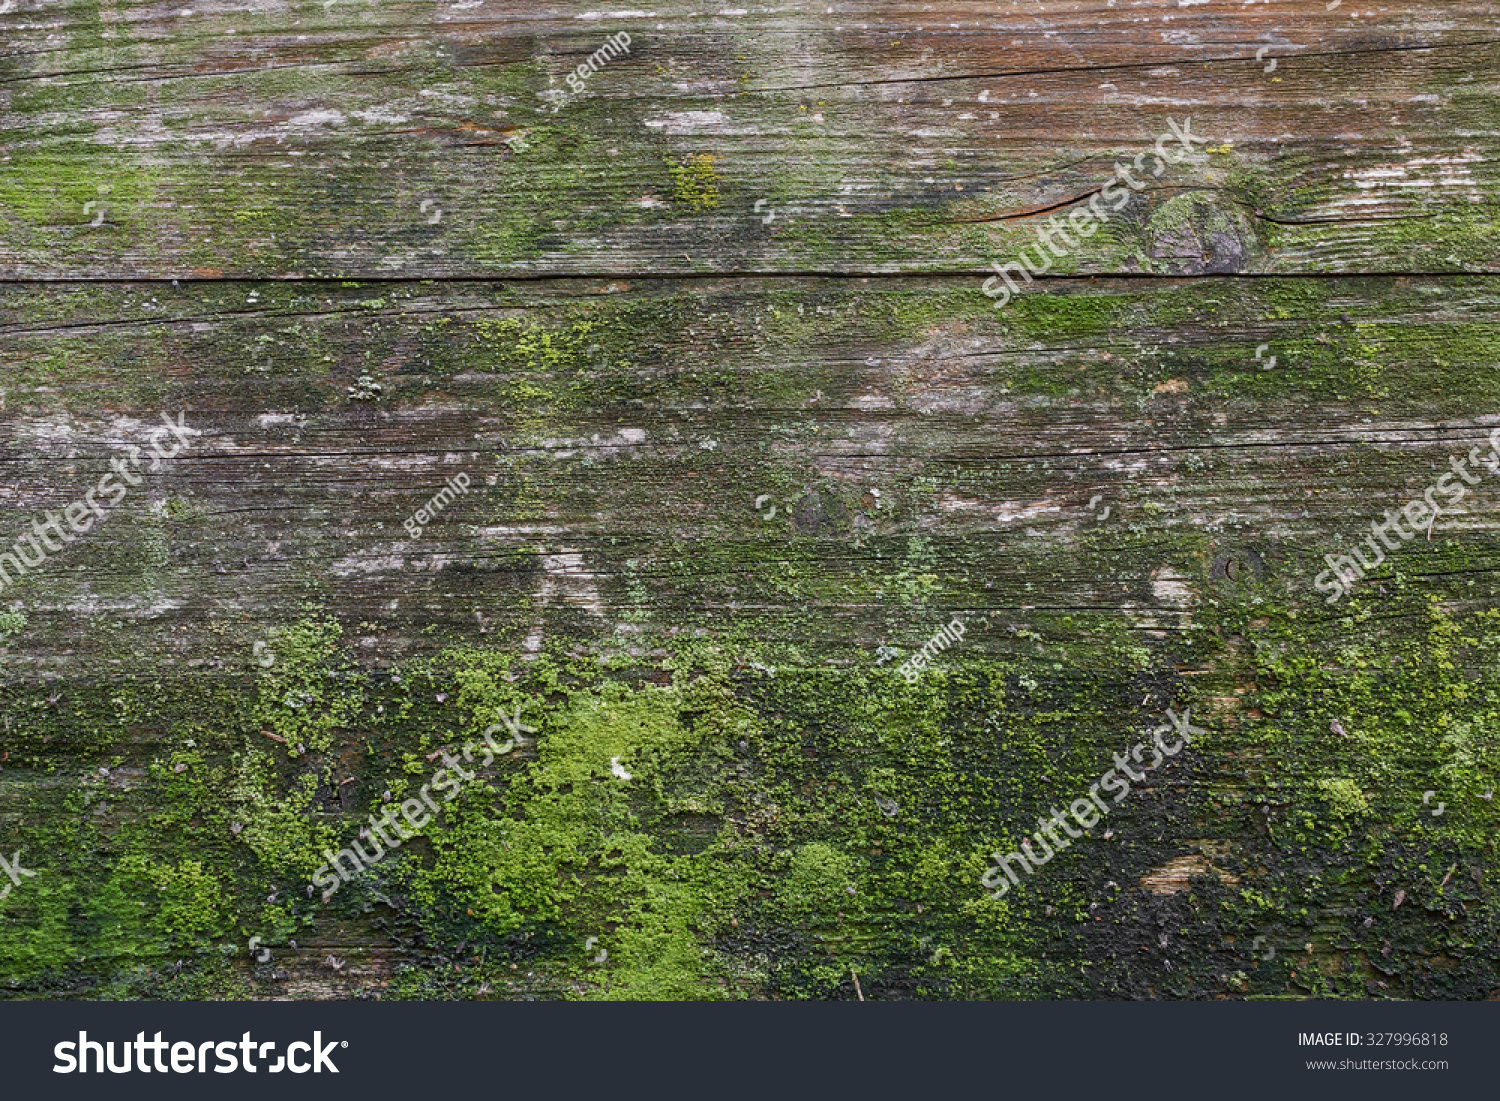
point(728, 784)
point(323, 142)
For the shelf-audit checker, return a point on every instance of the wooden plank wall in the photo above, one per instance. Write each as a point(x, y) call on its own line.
point(741, 430)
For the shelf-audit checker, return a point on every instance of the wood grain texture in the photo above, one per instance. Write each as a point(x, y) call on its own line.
point(302, 141)
point(709, 343)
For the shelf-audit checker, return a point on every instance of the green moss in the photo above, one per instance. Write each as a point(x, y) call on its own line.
point(183, 511)
point(541, 367)
point(36, 933)
point(816, 881)
point(518, 343)
point(836, 814)
point(1344, 798)
point(51, 189)
point(299, 701)
point(188, 900)
point(694, 181)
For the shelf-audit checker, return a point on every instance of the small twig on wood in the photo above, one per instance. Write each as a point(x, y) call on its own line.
point(857, 990)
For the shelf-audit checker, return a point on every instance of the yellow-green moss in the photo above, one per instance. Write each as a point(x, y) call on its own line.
point(694, 182)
